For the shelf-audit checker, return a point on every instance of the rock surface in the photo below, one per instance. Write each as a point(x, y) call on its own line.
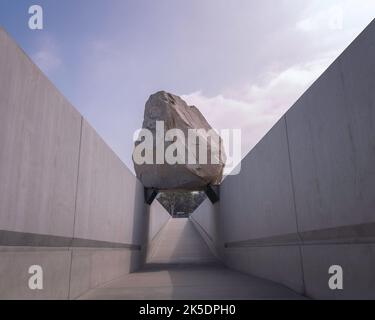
point(176, 114)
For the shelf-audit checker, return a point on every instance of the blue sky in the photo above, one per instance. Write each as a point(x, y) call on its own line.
point(241, 62)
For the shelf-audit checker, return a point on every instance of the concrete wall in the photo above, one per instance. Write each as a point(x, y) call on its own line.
point(331, 133)
point(67, 203)
point(257, 212)
point(109, 197)
point(305, 197)
point(158, 218)
point(39, 148)
point(206, 222)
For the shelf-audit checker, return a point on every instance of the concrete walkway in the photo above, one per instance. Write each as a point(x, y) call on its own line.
point(181, 266)
point(180, 242)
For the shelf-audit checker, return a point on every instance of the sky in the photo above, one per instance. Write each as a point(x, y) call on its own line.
point(243, 63)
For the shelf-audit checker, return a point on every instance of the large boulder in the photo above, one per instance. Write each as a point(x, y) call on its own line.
point(176, 114)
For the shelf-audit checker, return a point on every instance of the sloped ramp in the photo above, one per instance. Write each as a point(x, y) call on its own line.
point(179, 243)
point(183, 267)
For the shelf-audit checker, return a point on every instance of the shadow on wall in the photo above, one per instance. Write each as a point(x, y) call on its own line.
point(206, 219)
point(141, 224)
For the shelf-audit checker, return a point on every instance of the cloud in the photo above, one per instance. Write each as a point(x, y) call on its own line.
point(256, 108)
point(337, 15)
point(47, 57)
point(331, 18)
point(327, 29)
point(239, 69)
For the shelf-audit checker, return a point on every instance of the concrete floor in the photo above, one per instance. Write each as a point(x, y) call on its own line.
point(181, 266)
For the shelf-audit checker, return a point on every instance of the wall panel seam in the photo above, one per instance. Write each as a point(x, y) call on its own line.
point(294, 202)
